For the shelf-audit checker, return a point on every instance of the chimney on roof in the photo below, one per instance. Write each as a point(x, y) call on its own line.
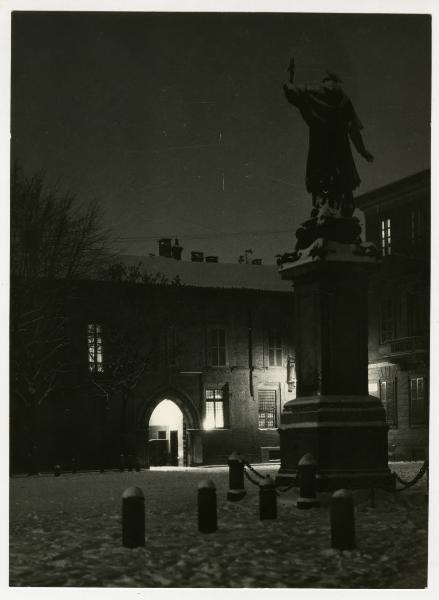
point(197, 256)
point(165, 248)
point(176, 250)
point(211, 259)
point(257, 261)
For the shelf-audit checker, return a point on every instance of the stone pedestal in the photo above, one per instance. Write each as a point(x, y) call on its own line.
point(333, 417)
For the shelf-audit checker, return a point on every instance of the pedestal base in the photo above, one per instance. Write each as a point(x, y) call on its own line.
point(347, 436)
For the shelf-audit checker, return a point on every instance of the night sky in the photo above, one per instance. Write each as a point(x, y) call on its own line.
point(177, 123)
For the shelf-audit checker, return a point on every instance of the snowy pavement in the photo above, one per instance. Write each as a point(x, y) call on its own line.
point(66, 531)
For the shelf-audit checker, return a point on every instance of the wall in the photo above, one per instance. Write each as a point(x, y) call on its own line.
point(95, 423)
point(406, 270)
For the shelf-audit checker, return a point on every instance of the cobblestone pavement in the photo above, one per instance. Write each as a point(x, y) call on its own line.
point(66, 531)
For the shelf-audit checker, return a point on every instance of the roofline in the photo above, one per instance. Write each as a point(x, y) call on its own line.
point(420, 179)
point(182, 286)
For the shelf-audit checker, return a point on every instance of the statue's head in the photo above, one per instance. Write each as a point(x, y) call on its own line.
point(331, 81)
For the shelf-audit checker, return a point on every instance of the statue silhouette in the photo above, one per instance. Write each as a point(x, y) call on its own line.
point(331, 175)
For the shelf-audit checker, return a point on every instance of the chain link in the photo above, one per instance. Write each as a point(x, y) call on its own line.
point(286, 489)
point(247, 475)
point(247, 464)
point(406, 484)
point(279, 490)
point(416, 478)
point(254, 482)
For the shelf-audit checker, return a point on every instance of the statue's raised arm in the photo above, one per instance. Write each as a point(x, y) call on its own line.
point(331, 175)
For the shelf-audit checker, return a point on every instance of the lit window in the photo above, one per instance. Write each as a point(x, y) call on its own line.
point(388, 398)
point(214, 409)
point(418, 404)
point(267, 409)
point(386, 237)
point(217, 347)
point(274, 349)
point(95, 359)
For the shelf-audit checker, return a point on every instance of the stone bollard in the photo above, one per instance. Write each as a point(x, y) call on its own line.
point(133, 518)
point(121, 463)
point(207, 517)
point(57, 470)
point(307, 470)
point(267, 499)
point(236, 477)
point(342, 520)
point(74, 466)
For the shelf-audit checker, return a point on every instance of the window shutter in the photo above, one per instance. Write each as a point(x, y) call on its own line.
point(388, 398)
point(418, 405)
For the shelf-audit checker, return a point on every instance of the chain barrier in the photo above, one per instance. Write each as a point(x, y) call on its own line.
point(416, 478)
point(279, 490)
point(406, 484)
point(247, 464)
point(253, 481)
point(286, 489)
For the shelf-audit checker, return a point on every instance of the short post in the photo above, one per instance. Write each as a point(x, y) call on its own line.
point(74, 466)
point(121, 463)
point(57, 470)
point(267, 499)
point(137, 465)
point(342, 520)
point(236, 477)
point(307, 471)
point(133, 518)
point(207, 515)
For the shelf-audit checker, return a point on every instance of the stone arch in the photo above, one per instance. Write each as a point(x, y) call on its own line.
point(191, 418)
point(182, 400)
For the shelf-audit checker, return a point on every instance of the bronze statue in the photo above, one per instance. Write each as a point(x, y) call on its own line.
point(331, 175)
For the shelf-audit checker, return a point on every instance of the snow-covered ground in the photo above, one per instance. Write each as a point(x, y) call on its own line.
point(66, 531)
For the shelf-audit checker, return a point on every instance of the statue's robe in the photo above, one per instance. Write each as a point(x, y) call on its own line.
point(331, 119)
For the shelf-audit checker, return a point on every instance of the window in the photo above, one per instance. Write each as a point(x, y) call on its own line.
point(214, 409)
point(267, 409)
point(95, 362)
point(291, 374)
point(274, 349)
point(388, 398)
point(416, 227)
point(386, 237)
point(217, 347)
point(417, 312)
point(388, 321)
point(418, 404)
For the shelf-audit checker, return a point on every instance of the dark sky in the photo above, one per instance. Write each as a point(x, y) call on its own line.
point(177, 123)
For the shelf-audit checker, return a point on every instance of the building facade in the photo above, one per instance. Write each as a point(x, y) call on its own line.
point(183, 362)
point(183, 372)
point(398, 222)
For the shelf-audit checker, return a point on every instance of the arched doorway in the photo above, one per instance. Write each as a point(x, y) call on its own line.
point(166, 432)
point(172, 406)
